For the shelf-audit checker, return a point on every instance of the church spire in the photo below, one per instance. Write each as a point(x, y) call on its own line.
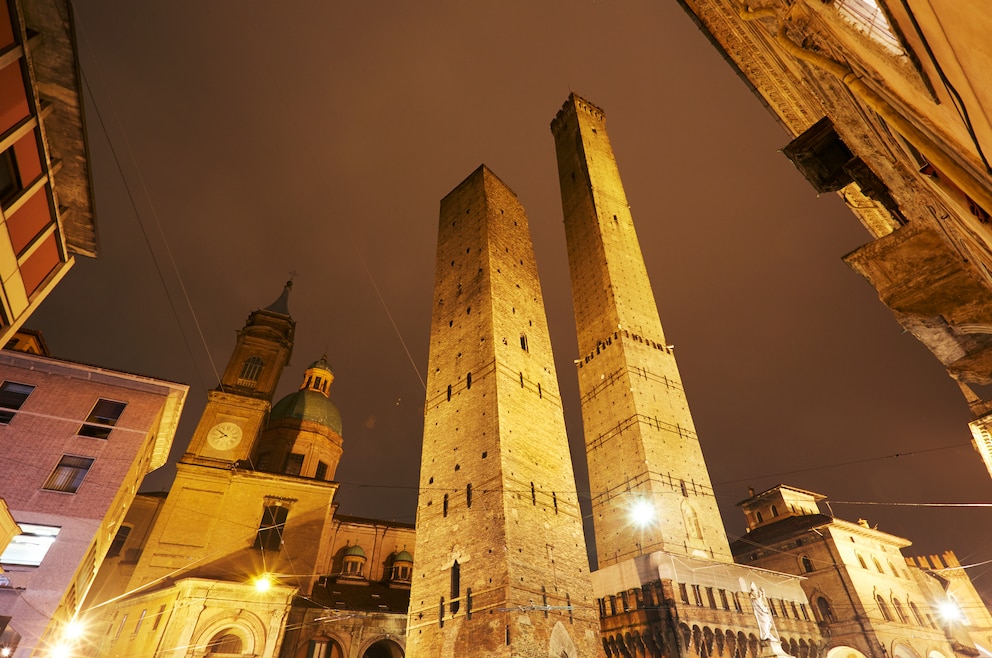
point(281, 305)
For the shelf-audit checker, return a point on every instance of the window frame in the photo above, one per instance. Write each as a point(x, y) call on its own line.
point(8, 411)
point(32, 534)
point(100, 426)
point(62, 469)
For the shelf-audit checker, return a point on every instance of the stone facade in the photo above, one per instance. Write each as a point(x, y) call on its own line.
point(641, 445)
point(245, 555)
point(866, 597)
point(502, 567)
point(887, 104)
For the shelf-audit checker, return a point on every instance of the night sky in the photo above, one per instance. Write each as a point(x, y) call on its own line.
point(233, 143)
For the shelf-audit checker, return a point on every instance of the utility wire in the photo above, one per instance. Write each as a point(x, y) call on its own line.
point(137, 213)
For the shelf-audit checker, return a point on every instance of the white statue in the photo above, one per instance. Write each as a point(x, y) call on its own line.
point(763, 614)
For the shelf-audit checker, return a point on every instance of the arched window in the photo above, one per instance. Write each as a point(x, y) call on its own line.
point(883, 607)
point(691, 520)
point(224, 642)
point(822, 610)
point(758, 515)
point(807, 564)
point(878, 565)
point(861, 560)
point(250, 371)
point(916, 614)
point(900, 613)
point(774, 511)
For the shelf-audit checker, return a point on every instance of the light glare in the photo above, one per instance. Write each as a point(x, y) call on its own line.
point(642, 513)
point(263, 583)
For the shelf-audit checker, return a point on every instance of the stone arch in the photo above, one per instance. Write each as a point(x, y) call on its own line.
point(741, 645)
point(844, 652)
point(752, 645)
point(902, 650)
point(707, 641)
point(697, 640)
point(718, 638)
point(323, 645)
point(246, 626)
point(793, 647)
point(684, 636)
point(803, 649)
point(382, 647)
point(731, 644)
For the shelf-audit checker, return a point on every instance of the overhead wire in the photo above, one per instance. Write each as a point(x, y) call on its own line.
point(138, 214)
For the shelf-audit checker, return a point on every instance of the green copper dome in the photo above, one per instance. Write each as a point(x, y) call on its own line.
point(355, 550)
point(309, 405)
point(403, 556)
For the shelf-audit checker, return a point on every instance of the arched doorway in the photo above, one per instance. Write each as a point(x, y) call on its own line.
point(844, 652)
point(383, 649)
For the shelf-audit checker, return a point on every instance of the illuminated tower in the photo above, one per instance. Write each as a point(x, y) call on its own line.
point(501, 566)
point(641, 445)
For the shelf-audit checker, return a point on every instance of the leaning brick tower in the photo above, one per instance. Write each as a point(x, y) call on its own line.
point(501, 566)
point(643, 453)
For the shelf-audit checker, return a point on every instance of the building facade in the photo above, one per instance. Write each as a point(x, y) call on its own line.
point(78, 441)
point(46, 205)
point(887, 103)
point(245, 554)
point(869, 599)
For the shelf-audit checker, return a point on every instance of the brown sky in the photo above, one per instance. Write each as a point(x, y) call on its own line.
point(318, 137)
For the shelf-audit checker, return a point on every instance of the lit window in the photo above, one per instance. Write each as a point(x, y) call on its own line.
point(12, 396)
point(269, 537)
point(29, 547)
point(102, 419)
point(69, 474)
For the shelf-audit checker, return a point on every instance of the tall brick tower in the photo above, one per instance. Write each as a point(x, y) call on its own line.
point(501, 566)
point(643, 453)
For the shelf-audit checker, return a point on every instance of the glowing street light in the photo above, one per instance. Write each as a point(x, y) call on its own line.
point(263, 583)
point(73, 630)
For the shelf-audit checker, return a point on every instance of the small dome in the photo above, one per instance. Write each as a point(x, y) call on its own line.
point(308, 405)
point(321, 364)
point(354, 551)
point(403, 556)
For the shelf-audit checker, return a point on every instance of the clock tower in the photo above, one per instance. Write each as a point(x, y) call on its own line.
point(237, 408)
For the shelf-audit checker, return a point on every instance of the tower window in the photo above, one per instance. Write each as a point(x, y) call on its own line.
point(321, 473)
point(468, 380)
point(523, 343)
point(468, 495)
point(102, 419)
point(540, 393)
point(270, 529)
point(318, 383)
point(554, 499)
point(533, 494)
point(444, 507)
point(69, 474)
point(456, 577)
point(12, 396)
point(294, 463)
point(807, 564)
point(250, 371)
point(449, 392)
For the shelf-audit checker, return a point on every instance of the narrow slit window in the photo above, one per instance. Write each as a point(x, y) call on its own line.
point(523, 342)
point(533, 494)
point(468, 495)
point(445, 505)
point(468, 380)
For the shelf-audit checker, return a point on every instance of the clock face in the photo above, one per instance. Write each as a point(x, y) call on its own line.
point(224, 436)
